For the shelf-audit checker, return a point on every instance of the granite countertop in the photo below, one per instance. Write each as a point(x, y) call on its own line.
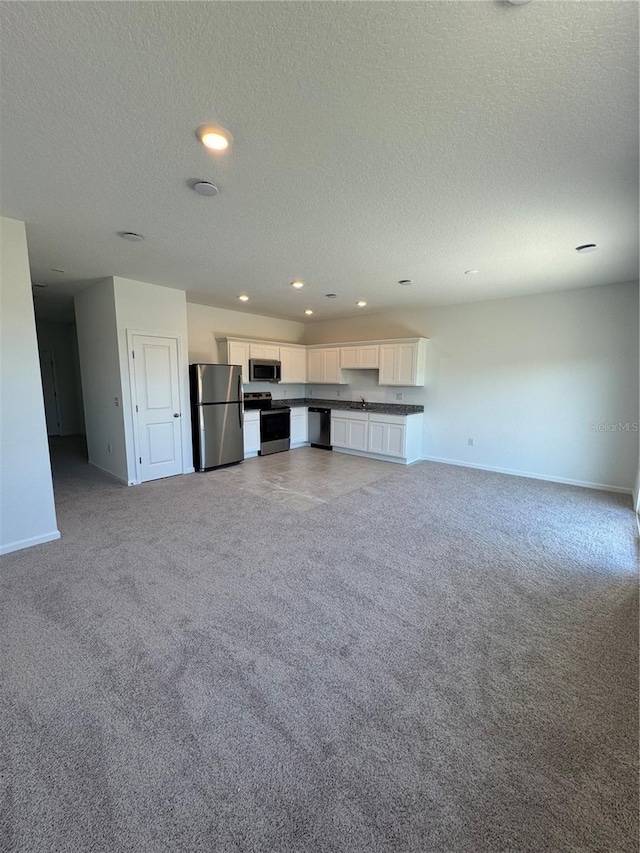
point(354, 405)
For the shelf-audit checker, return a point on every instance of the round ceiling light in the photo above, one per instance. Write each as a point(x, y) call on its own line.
point(214, 138)
point(405, 281)
point(586, 247)
point(131, 236)
point(308, 311)
point(297, 284)
point(471, 272)
point(361, 303)
point(243, 297)
point(205, 188)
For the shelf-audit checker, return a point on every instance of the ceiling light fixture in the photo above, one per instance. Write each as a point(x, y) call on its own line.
point(131, 236)
point(308, 311)
point(205, 188)
point(405, 281)
point(586, 247)
point(214, 138)
point(361, 303)
point(243, 297)
point(471, 272)
point(297, 284)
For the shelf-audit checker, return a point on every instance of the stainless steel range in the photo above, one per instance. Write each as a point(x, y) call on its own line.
point(275, 421)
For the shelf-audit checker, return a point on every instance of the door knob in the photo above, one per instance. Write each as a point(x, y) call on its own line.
point(176, 414)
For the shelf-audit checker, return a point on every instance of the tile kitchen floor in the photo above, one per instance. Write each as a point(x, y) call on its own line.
point(306, 477)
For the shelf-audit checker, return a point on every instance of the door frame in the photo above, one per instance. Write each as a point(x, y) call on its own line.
point(54, 377)
point(132, 395)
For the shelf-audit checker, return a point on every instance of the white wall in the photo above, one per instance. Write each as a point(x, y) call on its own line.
point(208, 325)
point(151, 309)
point(60, 339)
point(27, 511)
point(526, 378)
point(101, 382)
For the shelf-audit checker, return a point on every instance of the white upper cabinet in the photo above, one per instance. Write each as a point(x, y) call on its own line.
point(294, 364)
point(270, 351)
point(238, 353)
point(360, 357)
point(403, 362)
point(400, 362)
point(323, 365)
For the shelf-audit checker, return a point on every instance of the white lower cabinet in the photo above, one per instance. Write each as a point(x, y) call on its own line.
point(251, 433)
point(395, 437)
point(299, 426)
point(349, 430)
point(387, 437)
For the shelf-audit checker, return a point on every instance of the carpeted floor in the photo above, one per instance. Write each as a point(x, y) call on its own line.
point(441, 660)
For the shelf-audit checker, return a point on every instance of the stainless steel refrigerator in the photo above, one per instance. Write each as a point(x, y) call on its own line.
point(216, 415)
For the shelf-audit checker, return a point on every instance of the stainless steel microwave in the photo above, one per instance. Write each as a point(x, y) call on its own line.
point(264, 370)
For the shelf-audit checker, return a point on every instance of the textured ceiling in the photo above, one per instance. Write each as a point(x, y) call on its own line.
point(372, 142)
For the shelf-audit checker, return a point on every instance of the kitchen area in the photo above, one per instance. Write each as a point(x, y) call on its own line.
point(267, 400)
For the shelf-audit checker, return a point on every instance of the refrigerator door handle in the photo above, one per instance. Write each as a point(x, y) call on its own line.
point(240, 400)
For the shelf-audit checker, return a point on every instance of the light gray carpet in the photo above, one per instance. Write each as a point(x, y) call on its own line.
point(442, 660)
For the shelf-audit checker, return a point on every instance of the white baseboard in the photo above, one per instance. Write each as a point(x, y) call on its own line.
point(28, 543)
point(111, 475)
point(605, 487)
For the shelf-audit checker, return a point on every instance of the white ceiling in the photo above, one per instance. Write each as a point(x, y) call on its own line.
point(372, 142)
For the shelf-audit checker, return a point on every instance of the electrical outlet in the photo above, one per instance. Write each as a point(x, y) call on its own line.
point(338, 392)
point(472, 442)
point(400, 396)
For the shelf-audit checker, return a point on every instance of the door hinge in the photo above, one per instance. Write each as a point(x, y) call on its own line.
point(133, 355)
point(136, 408)
point(140, 460)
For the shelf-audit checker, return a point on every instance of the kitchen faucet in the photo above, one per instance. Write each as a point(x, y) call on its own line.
point(364, 402)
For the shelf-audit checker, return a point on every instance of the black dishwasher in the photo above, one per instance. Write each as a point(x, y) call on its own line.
point(320, 428)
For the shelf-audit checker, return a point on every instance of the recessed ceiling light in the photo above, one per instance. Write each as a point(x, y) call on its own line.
point(205, 188)
point(331, 295)
point(405, 281)
point(297, 284)
point(55, 269)
point(361, 303)
point(308, 311)
point(587, 247)
point(471, 272)
point(214, 138)
point(243, 297)
point(131, 236)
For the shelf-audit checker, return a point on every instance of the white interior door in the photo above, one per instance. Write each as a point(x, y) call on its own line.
point(47, 369)
point(157, 406)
